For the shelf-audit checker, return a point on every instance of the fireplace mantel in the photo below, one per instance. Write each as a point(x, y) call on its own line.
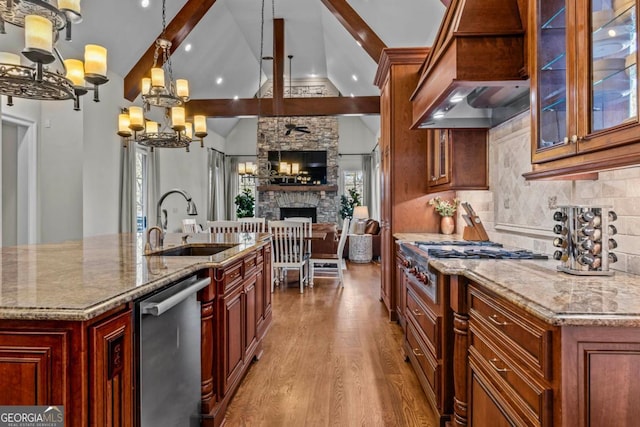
point(298, 188)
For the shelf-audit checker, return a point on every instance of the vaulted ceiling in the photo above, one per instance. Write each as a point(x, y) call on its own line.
point(225, 40)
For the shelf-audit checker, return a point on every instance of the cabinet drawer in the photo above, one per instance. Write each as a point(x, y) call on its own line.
point(250, 264)
point(427, 322)
point(232, 276)
point(526, 395)
point(518, 332)
point(420, 355)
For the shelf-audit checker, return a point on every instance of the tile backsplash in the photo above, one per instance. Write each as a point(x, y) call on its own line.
point(519, 213)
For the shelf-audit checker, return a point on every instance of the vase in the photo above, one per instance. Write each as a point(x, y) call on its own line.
point(447, 225)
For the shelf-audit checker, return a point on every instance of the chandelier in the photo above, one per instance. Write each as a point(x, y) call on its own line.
point(43, 20)
point(160, 90)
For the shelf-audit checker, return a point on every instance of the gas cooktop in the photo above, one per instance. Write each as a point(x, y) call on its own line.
point(458, 243)
point(487, 253)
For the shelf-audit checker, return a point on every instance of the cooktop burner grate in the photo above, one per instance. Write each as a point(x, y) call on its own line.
point(484, 254)
point(459, 243)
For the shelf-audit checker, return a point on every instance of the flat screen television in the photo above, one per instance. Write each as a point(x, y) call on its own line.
point(312, 167)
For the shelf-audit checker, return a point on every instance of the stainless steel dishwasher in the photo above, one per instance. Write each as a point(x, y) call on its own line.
point(168, 351)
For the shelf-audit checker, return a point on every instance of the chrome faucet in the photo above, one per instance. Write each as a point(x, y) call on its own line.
point(159, 239)
point(191, 206)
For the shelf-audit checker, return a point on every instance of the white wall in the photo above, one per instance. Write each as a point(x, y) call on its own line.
point(354, 136)
point(242, 140)
point(9, 184)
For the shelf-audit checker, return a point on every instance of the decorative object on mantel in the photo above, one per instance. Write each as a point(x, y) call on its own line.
point(160, 90)
point(446, 209)
point(42, 22)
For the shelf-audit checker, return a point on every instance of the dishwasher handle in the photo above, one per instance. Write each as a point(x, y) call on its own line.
point(158, 308)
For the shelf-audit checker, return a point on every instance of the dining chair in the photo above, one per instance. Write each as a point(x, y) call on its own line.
point(224, 226)
point(308, 230)
point(252, 225)
point(331, 260)
point(288, 250)
point(189, 225)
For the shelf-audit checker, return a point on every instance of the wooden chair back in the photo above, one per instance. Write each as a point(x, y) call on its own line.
point(224, 226)
point(253, 225)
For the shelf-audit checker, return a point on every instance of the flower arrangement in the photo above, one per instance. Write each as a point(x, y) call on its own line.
point(444, 207)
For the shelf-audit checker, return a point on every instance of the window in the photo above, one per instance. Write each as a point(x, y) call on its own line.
point(247, 182)
point(141, 189)
point(353, 179)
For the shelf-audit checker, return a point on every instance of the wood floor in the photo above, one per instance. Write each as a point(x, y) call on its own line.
point(331, 358)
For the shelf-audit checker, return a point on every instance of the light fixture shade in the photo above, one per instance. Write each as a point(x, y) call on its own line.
point(75, 71)
point(200, 125)
point(151, 126)
point(123, 125)
point(95, 60)
point(284, 168)
point(295, 168)
point(177, 118)
point(360, 212)
point(146, 85)
point(38, 33)
point(242, 169)
point(188, 130)
point(182, 88)
point(8, 58)
point(157, 77)
point(72, 5)
point(136, 119)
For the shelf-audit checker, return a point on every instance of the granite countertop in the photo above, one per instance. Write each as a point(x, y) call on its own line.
point(78, 280)
point(539, 288)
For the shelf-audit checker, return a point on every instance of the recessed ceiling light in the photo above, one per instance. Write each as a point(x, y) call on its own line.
point(188, 47)
point(219, 81)
point(354, 77)
point(352, 95)
point(235, 98)
point(144, 3)
point(313, 75)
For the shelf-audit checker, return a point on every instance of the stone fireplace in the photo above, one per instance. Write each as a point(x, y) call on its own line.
point(273, 199)
point(299, 212)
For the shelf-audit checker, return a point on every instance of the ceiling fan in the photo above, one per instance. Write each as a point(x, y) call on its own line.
point(290, 126)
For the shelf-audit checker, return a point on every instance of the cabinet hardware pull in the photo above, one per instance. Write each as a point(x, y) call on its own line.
point(417, 312)
point(574, 139)
point(495, 367)
point(494, 319)
point(416, 352)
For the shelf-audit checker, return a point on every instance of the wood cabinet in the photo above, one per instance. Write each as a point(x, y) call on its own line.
point(457, 159)
point(428, 339)
point(584, 110)
point(85, 366)
point(403, 155)
point(401, 288)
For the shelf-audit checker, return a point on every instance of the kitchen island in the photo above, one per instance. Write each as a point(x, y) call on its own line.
point(67, 331)
point(528, 345)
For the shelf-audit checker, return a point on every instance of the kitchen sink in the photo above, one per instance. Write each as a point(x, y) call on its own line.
point(195, 250)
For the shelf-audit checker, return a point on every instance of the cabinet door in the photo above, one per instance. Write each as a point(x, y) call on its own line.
point(232, 337)
point(400, 290)
point(485, 410)
point(111, 365)
point(250, 327)
point(553, 80)
point(438, 157)
point(608, 90)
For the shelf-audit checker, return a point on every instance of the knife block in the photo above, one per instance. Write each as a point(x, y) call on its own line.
point(475, 233)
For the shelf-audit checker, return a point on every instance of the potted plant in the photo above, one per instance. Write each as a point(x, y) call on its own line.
point(347, 203)
point(245, 204)
point(446, 209)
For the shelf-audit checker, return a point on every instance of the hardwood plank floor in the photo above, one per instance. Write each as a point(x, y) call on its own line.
point(332, 358)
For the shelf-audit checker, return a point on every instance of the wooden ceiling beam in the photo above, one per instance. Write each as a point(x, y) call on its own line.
point(357, 27)
point(176, 32)
point(328, 106)
point(278, 64)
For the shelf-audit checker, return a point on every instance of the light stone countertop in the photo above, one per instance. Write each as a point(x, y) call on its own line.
point(539, 288)
point(78, 280)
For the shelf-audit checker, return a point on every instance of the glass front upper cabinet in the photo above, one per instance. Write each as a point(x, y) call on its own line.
point(552, 73)
point(613, 94)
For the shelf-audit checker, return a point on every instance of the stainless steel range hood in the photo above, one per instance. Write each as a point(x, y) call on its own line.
point(476, 73)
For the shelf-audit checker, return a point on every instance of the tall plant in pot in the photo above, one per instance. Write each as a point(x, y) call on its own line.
point(245, 204)
point(347, 203)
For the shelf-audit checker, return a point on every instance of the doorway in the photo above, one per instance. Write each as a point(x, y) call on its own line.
point(18, 178)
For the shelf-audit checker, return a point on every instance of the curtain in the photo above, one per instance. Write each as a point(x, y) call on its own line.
point(215, 198)
point(367, 180)
point(153, 186)
point(232, 186)
point(127, 196)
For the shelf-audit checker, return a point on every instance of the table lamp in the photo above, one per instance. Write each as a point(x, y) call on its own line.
point(360, 215)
